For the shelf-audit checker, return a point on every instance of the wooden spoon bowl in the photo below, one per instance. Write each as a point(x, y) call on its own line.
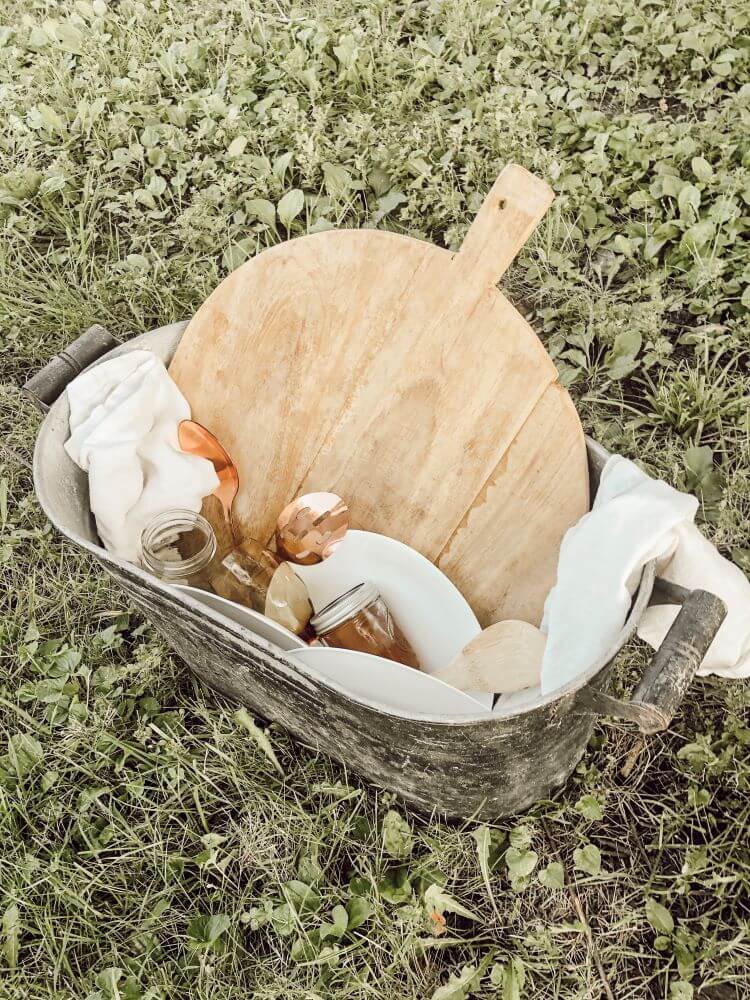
point(504, 658)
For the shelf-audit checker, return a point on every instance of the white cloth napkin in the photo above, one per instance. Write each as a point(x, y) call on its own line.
point(635, 519)
point(123, 431)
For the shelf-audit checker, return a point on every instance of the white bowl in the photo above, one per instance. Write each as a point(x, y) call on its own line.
point(252, 620)
point(429, 610)
point(388, 684)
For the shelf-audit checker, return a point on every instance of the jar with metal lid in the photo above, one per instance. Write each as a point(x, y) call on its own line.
point(361, 620)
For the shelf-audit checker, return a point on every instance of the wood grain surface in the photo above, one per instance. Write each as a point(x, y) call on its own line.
point(395, 374)
point(538, 489)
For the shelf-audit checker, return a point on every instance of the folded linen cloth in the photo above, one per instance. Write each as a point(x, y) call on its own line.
point(635, 519)
point(123, 431)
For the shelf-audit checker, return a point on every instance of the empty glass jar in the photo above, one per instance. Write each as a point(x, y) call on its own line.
point(244, 574)
point(180, 546)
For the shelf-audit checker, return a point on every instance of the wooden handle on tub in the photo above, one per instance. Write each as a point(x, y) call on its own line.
point(44, 387)
point(662, 687)
point(675, 662)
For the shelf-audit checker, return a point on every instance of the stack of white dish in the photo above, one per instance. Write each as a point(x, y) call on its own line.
point(428, 609)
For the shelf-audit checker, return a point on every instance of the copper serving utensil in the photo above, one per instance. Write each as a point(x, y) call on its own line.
point(196, 440)
point(310, 527)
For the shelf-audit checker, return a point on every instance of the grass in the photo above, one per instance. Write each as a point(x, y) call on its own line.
point(150, 848)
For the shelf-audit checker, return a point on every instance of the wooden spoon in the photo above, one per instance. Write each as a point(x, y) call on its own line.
point(196, 440)
point(504, 658)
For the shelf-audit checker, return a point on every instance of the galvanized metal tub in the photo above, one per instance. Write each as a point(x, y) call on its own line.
point(469, 767)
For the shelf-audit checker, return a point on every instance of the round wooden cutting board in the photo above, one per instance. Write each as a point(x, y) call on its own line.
point(395, 374)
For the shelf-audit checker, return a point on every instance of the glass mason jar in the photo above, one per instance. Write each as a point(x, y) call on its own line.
point(360, 620)
point(179, 546)
point(245, 573)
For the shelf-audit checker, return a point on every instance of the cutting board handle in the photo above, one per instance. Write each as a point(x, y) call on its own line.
point(508, 216)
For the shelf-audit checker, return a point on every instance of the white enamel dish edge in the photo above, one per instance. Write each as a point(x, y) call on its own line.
point(249, 619)
point(432, 613)
point(393, 685)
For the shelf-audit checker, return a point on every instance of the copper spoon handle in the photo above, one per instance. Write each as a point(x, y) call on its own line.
point(195, 439)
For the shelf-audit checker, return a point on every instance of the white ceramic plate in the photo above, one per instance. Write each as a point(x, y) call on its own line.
point(262, 626)
point(429, 610)
point(389, 684)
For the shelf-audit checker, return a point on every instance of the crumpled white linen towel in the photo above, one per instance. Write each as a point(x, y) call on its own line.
point(123, 431)
point(635, 519)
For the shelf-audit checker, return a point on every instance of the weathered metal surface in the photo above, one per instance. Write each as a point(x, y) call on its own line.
point(485, 769)
point(480, 767)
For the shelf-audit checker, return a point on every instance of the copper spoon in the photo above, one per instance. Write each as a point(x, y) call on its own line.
point(310, 527)
point(196, 440)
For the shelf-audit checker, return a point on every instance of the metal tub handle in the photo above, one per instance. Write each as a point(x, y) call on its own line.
point(44, 387)
point(664, 683)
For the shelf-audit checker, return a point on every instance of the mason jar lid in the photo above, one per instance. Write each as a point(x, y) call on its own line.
point(343, 608)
